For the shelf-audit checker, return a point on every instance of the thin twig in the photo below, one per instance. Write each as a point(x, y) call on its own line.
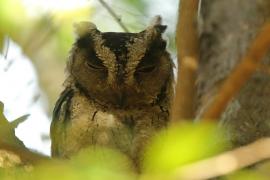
point(6, 47)
point(240, 75)
point(114, 15)
point(227, 162)
point(187, 47)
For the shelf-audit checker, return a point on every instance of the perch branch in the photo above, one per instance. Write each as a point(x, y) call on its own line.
point(227, 162)
point(114, 15)
point(240, 75)
point(187, 47)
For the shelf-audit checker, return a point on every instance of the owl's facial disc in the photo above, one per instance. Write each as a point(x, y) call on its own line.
point(122, 70)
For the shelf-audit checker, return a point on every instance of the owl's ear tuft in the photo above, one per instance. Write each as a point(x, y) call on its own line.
point(161, 28)
point(84, 27)
point(156, 23)
point(157, 20)
point(155, 29)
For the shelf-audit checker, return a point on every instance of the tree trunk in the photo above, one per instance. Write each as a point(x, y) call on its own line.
point(227, 28)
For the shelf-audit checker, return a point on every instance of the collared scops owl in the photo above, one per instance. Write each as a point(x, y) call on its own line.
point(117, 92)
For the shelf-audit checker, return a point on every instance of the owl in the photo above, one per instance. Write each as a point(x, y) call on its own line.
point(117, 92)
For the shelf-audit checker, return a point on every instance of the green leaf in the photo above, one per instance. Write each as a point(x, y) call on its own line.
point(182, 144)
point(14, 124)
point(7, 129)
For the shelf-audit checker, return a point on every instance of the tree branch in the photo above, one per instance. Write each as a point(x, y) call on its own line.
point(187, 47)
point(114, 15)
point(240, 75)
point(227, 162)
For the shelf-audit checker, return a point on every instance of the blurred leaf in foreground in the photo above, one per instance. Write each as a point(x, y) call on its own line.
point(93, 163)
point(7, 129)
point(247, 175)
point(12, 17)
point(182, 144)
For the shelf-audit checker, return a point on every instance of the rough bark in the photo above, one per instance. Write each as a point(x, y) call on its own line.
point(227, 29)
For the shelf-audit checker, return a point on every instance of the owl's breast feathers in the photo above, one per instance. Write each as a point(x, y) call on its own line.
point(78, 122)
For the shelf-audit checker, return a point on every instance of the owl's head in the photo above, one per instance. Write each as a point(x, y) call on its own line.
point(121, 70)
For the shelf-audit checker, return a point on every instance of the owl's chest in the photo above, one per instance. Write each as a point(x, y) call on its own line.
point(90, 126)
point(124, 131)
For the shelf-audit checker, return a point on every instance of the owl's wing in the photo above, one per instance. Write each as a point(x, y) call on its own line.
point(61, 115)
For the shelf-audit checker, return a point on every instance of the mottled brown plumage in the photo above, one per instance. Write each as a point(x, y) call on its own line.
point(117, 93)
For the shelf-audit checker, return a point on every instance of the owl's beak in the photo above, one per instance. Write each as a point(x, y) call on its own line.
point(120, 75)
point(121, 99)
